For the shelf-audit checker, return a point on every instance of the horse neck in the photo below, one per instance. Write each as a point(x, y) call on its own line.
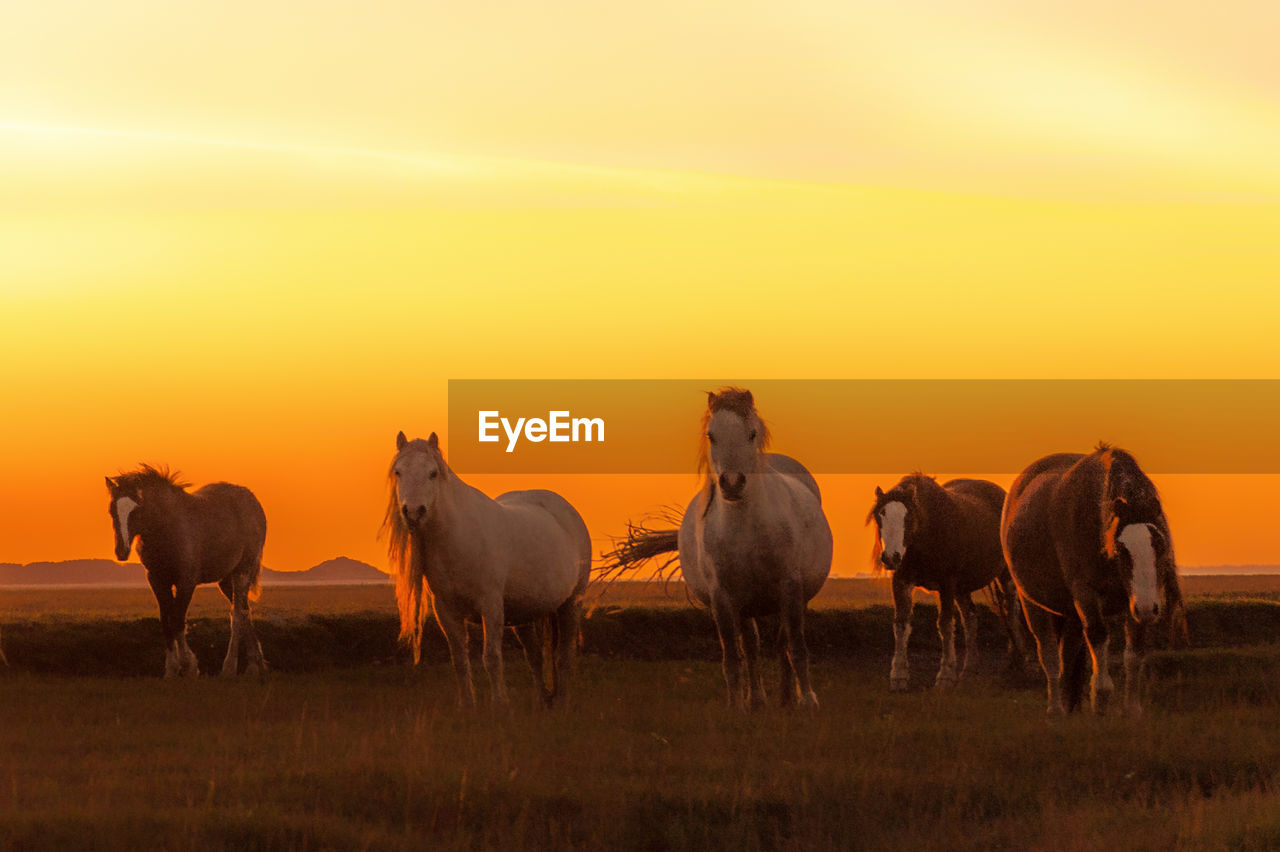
point(162, 503)
point(934, 502)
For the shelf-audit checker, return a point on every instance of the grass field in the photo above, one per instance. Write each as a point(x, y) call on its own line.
point(344, 746)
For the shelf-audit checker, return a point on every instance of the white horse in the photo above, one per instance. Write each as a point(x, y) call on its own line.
point(521, 560)
point(753, 542)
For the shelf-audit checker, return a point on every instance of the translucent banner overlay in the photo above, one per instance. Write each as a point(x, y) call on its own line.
point(867, 426)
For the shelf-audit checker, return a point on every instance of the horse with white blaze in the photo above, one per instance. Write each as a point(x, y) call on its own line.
point(944, 538)
point(213, 535)
point(1087, 540)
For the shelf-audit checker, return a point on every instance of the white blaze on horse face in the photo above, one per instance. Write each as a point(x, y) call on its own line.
point(124, 508)
point(893, 529)
point(417, 481)
point(1144, 593)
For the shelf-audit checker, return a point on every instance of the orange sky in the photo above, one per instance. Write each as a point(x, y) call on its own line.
point(254, 246)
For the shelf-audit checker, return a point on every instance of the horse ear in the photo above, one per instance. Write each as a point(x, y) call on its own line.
point(433, 441)
point(1118, 506)
point(879, 493)
point(751, 400)
point(711, 397)
point(111, 486)
point(401, 440)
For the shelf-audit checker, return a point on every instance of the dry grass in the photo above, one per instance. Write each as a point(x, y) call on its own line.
point(647, 757)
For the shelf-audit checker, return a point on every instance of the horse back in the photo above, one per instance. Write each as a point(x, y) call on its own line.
point(543, 509)
point(789, 466)
point(981, 491)
point(228, 528)
point(1027, 532)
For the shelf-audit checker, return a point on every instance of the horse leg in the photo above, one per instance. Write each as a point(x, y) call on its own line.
point(1095, 635)
point(164, 597)
point(1072, 648)
point(241, 609)
point(969, 621)
point(455, 633)
point(788, 694)
point(755, 677)
point(1045, 628)
point(493, 625)
point(902, 605)
point(231, 663)
point(1135, 647)
point(1015, 625)
point(729, 626)
point(187, 663)
point(565, 624)
point(792, 616)
point(947, 630)
point(531, 636)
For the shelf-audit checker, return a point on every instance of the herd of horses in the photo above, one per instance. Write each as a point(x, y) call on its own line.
point(1079, 543)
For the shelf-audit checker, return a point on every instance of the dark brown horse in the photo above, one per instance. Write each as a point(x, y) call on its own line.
point(1087, 540)
point(946, 539)
point(214, 535)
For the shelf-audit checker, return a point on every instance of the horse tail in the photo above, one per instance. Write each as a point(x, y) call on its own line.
point(255, 581)
point(643, 542)
point(998, 598)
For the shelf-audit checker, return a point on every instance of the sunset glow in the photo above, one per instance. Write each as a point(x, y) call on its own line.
point(254, 246)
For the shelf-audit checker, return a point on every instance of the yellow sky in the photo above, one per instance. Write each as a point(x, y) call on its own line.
point(254, 240)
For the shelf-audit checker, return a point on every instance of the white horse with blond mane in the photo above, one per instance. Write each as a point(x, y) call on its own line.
point(522, 560)
point(753, 542)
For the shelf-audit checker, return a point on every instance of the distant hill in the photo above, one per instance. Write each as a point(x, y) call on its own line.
point(339, 570)
point(105, 572)
point(73, 572)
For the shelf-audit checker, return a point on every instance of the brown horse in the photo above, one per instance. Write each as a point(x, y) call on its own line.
point(946, 539)
point(214, 535)
point(1087, 540)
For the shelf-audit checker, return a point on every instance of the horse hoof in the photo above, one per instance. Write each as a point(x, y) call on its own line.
point(898, 684)
point(809, 701)
point(1133, 711)
point(946, 682)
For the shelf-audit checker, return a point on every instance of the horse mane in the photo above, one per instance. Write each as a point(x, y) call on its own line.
point(146, 475)
point(407, 560)
point(738, 401)
point(1124, 479)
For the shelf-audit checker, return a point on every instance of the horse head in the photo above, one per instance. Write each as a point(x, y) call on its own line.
point(735, 440)
point(126, 499)
point(417, 473)
point(897, 515)
point(1135, 533)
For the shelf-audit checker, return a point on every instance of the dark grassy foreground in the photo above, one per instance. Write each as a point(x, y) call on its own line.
point(345, 747)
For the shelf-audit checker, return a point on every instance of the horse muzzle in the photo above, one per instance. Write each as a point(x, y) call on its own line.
point(122, 553)
point(1145, 612)
point(413, 515)
point(892, 561)
point(732, 485)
